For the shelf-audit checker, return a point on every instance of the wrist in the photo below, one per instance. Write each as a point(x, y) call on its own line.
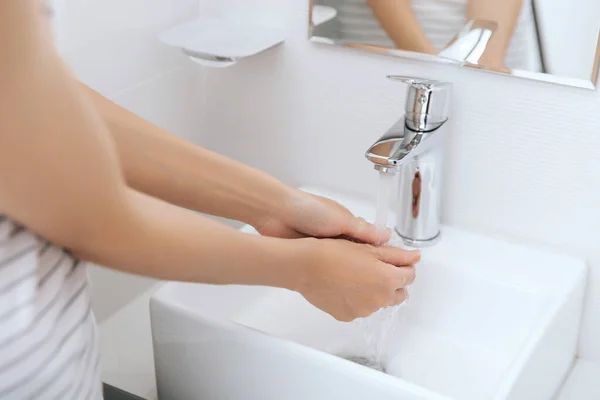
point(277, 205)
point(289, 262)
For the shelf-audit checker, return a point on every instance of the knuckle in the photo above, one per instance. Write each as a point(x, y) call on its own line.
point(369, 247)
point(410, 275)
point(378, 252)
point(361, 224)
point(401, 256)
point(390, 285)
point(405, 276)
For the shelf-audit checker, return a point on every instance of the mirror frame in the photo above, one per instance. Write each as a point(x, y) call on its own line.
point(405, 54)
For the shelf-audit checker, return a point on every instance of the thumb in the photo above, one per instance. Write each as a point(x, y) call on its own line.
point(361, 230)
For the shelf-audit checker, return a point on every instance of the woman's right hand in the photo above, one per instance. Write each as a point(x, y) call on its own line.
point(351, 280)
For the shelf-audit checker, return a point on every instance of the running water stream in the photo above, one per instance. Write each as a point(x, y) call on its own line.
point(379, 327)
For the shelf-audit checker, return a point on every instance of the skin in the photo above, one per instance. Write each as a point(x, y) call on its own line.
point(167, 167)
point(113, 189)
point(506, 14)
point(397, 18)
point(399, 21)
point(595, 69)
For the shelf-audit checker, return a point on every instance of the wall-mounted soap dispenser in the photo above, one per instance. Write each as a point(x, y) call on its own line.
point(221, 42)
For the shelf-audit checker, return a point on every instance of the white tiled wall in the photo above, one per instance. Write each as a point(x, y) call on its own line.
point(523, 161)
point(111, 45)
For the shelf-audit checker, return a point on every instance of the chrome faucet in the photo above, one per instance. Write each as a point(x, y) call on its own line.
point(469, 44)
point(412, 148)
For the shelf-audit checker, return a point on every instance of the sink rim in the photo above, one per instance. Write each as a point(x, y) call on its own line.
point(555, 296)
point(161, 296)
point(528, 348)
point(165, 295)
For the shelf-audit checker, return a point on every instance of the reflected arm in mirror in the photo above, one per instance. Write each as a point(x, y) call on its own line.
point(399, 21)
point(596, 60)
point(506, 14)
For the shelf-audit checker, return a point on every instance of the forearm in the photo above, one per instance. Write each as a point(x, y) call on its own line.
point(506, 14)
point(60, 176)
point(153, 238)
point(167, 167)
point(399, 21)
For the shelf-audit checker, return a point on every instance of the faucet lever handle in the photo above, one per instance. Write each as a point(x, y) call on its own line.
point(420, 82)
point(426, 105)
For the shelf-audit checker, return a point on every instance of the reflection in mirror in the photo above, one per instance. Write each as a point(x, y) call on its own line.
point(550, 40)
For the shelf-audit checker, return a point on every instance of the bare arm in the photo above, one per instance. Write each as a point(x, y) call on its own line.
point(164, 166)
point(399, 21)
point(60, 176)
point(506, 14)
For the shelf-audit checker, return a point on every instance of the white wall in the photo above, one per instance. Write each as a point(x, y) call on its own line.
point(569, 35)
point(111, 45)
point(523, 160)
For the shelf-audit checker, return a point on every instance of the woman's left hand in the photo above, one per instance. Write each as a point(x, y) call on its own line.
point(308, 215)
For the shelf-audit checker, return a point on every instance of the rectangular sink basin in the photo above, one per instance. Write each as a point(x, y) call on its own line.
point(486, 320)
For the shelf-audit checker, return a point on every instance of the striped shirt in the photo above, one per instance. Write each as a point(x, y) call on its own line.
point(441, 20)
point(48, 338)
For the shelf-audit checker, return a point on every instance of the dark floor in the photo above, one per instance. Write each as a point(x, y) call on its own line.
point(112, 393)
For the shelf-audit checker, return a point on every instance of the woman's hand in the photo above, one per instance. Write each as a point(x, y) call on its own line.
point(351, 280)
point(307, 215)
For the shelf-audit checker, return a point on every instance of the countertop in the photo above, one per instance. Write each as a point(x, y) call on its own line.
point(128, 362)
point(126, 348)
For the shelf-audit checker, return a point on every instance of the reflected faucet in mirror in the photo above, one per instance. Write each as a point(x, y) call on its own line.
point(412, 149)
point(470, 43)
point(525, 38)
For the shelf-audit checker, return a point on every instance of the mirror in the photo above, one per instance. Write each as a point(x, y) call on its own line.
point(550, 40)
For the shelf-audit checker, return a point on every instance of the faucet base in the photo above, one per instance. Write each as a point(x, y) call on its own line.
point(418, 243)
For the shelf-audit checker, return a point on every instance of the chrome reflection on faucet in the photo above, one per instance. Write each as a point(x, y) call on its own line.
point(470, 42)
point(412, 148)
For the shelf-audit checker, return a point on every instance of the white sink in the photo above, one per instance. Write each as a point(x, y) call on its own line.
point(486, 320)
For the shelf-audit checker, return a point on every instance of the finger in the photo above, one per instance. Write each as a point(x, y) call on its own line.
point(399, 297)
point(335, 204)
point(343, 317)
point(399, 277)
point(396, 256)
point(361, 230)
point(293, 235)
point(404, 276)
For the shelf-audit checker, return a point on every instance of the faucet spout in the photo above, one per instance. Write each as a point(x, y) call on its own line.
point(470, 42)
point(400, 144)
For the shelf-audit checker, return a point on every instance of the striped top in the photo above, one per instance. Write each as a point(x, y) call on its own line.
point(48, 339)
point(441, 20)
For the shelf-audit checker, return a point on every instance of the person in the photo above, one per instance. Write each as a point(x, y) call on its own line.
point(82, 179)
point(427, 26)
